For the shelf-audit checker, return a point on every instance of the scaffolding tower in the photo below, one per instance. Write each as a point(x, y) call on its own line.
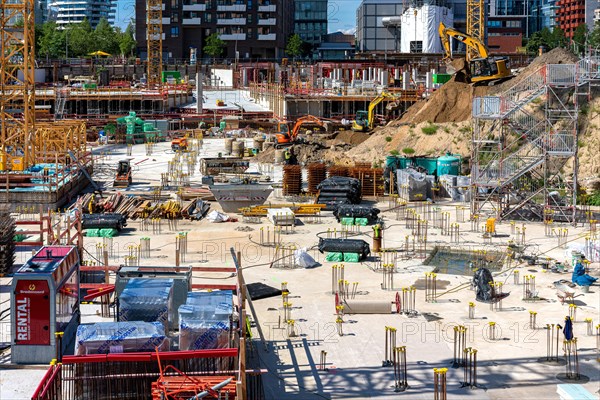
point(17, 84)
point(154, 36)
point(523, 141)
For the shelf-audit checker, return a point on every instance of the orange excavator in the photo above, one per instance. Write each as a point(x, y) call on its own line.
point(123, 177)
point(285, 138)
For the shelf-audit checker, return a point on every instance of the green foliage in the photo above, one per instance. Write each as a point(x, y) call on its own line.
point(429, 130)
point(594, 36)
point(394, 153)
point(82, 40)
point(388, 139)
point(294, 46)
point(408, 151)
point(580, 38)
point(594, 198)
point(546, 38)
point(214, 45)
point(127, 42)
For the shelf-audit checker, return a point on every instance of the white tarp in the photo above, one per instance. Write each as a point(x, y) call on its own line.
point(424, 27)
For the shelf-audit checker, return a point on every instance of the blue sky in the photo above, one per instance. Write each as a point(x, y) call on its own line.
point(342, 14)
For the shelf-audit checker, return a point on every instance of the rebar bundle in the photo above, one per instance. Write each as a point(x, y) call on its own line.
point(337, 170)
point(292, 180)
point(7, 242)
point(371, 180)
point(317, 172)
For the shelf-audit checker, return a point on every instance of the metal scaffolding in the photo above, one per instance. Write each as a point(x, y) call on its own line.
point(154, 38)
point(17, 84)
point(524, 138)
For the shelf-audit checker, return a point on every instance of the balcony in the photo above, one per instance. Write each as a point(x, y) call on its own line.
point(232, 8)
point(233, 36)
point(166, 21)
point(268, 36)
point(270, 8)
point(231, 21)
point(194, 7)
point(191, 21)
point(267, 21)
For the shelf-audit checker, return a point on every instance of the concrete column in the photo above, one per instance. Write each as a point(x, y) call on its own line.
point(365, 75)
point(199, 99)
point(396, 73)
point(384, 78)
point(405, 80)
point(429, 80)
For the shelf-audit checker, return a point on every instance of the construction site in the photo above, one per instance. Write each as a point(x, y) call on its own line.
point(418, 228)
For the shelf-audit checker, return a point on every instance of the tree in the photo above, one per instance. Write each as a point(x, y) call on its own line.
point(80, 39)
point(549, 39)
point(50, 41)
point(105, 38)
point(580, 38)
point(214, 45)
point(294, 46)
point(127, 42)
point(594, 36)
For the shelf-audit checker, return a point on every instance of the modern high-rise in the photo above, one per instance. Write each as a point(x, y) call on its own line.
point(572, 13)
point(310, 20)
point(75, 11)
point(251, 29)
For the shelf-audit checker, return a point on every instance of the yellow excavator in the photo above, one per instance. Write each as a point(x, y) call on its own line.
point(482, 70)
point(365, 120)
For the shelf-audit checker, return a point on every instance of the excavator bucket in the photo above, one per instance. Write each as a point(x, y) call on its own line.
point(392, 105)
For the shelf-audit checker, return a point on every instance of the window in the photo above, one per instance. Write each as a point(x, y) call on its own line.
point(174, 31)
point(416, 46)
point(175, 18)
point(174, 4)
point(249, 5)
point(249, 18)
point(208, 17)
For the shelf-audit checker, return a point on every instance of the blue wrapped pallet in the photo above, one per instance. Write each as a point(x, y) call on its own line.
point(148, 300)
point(120, 337)
point(204, 321)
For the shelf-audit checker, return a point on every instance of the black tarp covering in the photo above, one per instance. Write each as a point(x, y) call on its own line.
point(345, 246)
point(338, 190)
point(482, 281)
point(103, 221)
point(356, 211)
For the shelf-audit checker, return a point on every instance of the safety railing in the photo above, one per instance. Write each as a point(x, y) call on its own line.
point(130, 375)
point(487, 107)
point(564, 75)
point(525, 90)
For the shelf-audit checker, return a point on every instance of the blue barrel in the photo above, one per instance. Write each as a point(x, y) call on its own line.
point(448, 165)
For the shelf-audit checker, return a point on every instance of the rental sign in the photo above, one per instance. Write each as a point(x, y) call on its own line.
point(32, 313)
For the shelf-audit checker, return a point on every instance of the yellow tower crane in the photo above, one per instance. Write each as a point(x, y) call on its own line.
point(17, 93)
point(154, 40)
point(475, 24)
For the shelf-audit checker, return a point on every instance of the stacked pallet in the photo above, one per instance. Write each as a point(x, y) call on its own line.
point(371, 180)
point(7, 243)
point(317, 172)
point(292, 180)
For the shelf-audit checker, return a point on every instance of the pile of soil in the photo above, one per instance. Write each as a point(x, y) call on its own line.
point(450, 103)
point(351, 137)
point(554, 56)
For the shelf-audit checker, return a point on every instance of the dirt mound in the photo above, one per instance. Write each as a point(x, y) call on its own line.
point(555, 56)
point(350, 137)
point(450, 103)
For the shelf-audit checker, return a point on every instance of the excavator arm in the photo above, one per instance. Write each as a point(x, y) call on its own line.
point(469, 41)
point(309, 119)
point(374, 103)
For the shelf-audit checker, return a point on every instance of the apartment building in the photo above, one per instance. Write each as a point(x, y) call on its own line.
point(75, 11)
point(252, 29)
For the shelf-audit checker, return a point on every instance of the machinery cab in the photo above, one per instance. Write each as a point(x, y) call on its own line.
point(361, 121)
point(124, 167)
point(179, 144)
point(123, 178)
point(489, 69)
point(283, 133)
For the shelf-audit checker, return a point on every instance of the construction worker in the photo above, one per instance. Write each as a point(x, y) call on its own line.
point(290, 157)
